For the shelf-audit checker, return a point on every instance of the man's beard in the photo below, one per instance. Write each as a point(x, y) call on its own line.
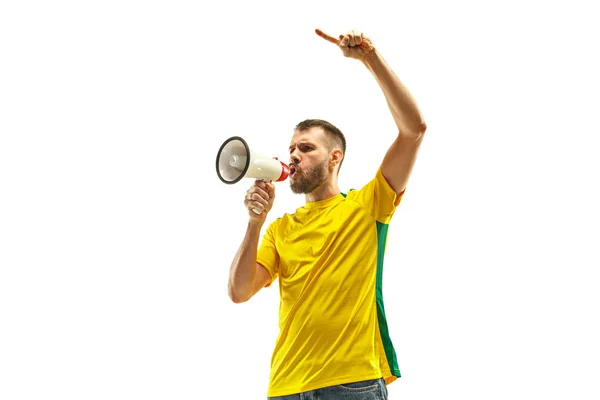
point(306, 181)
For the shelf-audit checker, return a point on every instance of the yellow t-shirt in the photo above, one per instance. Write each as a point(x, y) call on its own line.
point(328, 256)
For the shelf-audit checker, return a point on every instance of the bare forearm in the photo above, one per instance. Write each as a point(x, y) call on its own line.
point(243, 268)
point(403, 107)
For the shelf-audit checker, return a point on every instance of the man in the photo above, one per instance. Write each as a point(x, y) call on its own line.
point(328, 255)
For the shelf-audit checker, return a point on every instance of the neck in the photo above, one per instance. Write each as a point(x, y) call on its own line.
point(326, 191)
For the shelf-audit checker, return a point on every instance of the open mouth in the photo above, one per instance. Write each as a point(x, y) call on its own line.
point(292, 171)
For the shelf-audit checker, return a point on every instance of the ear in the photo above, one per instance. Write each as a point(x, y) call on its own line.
point(335, 157)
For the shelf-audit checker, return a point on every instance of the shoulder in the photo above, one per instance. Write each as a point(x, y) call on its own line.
point(279, 221)
point(349, 194)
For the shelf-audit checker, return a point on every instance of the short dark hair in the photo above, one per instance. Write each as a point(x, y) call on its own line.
point(336, 137)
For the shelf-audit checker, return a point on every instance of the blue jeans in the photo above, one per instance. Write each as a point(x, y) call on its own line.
point(373, 389)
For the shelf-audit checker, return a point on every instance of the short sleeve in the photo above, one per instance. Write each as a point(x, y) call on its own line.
point(267, 254)
point(378, 198)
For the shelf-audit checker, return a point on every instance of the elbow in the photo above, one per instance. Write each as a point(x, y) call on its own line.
point(415, 131)
point(419, 129)
point(236, 298)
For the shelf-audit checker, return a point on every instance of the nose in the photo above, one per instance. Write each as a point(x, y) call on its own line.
point(294, 158)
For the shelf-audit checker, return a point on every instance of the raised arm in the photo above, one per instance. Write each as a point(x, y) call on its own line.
point(399, 160)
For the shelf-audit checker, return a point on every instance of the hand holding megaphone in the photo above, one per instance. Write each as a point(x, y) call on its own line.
point(259, 198)
point(235, 161)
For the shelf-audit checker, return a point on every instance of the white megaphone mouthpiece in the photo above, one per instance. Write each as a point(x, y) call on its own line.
point(235, 161)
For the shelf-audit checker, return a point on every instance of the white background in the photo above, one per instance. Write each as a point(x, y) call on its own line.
point(116, 235)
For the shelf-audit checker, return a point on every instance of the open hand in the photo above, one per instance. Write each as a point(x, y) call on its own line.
point(353, 44)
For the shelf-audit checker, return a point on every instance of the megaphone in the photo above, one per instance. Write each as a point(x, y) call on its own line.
point(235, 161)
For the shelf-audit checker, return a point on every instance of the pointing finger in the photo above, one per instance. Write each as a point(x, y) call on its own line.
point(327, 37)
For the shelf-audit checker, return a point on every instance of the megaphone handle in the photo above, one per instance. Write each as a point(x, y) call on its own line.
point(256, 210)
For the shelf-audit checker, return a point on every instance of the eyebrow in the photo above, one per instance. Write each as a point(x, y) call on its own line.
point(300, 144)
